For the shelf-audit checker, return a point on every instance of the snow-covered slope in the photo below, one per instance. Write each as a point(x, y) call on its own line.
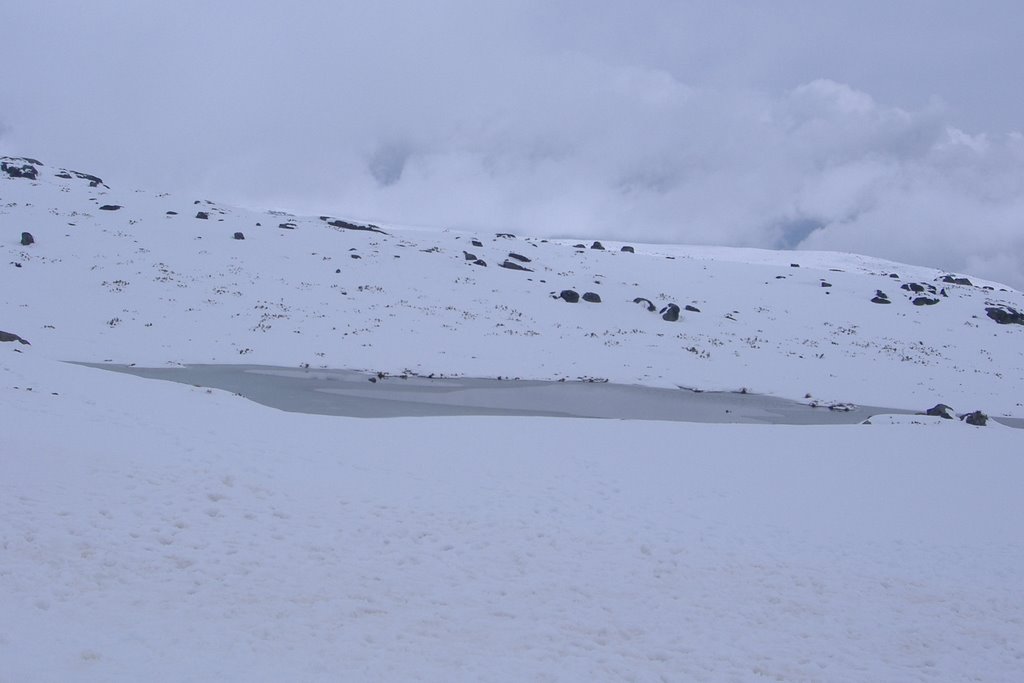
point(157, 531)
point(137, 277)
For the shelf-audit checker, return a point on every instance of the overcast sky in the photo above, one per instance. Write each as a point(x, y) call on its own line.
point(890, 128)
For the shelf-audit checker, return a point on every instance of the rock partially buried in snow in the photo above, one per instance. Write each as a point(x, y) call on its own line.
point(670, 313)
point(11, 337)
point(569, 295)
point(977, 418)
point(1005, 315)
point(592, 297)
point(27, 239)
point(202, 215)
point(110, 207)
point(239, 236)
point(646, 303)
point(628, 249)
point(597, 245)
point(940, 410)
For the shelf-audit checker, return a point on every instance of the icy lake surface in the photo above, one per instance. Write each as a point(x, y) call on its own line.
point(351, 393)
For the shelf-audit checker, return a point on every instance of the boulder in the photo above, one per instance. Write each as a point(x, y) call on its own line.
point(646, 303)
point(480, 262)
point(880, 300)
point(287, 226)
point(912, 287)
point(592, 297)
point(477, 243)
point(202, 215)
point(345, 225)
point(469, 257)
point(670, 313)
point(110, 207)
point(826, 284)
point(569, 296)
point(518, 257)
point(11, 337)
point(940, 410)
point(977, 418)
point(692, 309)
point(925, 301)
point(239, 236)
point(628, 249)
point(579, 246)
point(1005, 315)
point(27, 239)
point(952, 280)
point(23, 171)
point(597, 245)
point(512, 265)
point(505, 235)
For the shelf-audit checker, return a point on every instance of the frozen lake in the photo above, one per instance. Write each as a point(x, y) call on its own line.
point(350, 393)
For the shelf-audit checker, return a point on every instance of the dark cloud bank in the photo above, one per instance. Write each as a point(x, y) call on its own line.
point(892, 131)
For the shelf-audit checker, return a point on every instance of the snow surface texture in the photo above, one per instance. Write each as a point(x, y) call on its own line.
point(156, 531)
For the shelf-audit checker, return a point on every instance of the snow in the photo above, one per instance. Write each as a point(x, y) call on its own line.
point(156, 531)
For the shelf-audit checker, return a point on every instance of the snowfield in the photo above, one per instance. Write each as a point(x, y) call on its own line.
point(156, 531)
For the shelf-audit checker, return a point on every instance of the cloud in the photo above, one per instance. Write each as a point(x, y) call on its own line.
point(842, 126)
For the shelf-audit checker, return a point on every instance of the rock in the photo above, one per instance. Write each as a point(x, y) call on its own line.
point(512, 265)
point(518, 257)
point(345, 225)
point(670, 313)
point(239, 236)
point(826, 284)
point(628, 249)
point(940, 410)
point(925, 301)
point(692, 309)
point(23, 171)
point(27, 239)
point(110, 207)
point(951, 280)
point(468, 256)
point(646, 302)
point(977, 418)
point(480, 262)
point(505, 235)
point(894, 276)
point(1005, 315)
point(912, 287)
point(287, 226)
point(597, 245)
point(355, 256)
point(172, 213)
point(11, 337)
point(63, 175)
point(794, 265)
point(477, 243)
point(569, 296)
point(592, 297)
point(202, 215)
point(880, 300)
point(579, 246)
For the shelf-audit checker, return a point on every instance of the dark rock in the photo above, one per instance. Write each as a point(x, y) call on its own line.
point(628, 249)
point(1005, 315)
point(925, 301)
point(912, 287)
point(477, 243)
point(468, 256)
point(646, 302)
point(110, 207)
point(592, 297)
point(512, 265)
point(942, 292)
point(11, 337)
point(239, 236)
point(951, 280)
point(287, 226)
point(337, 270)
point(597, 245)
point(826, 284)
point(505, 235)
point(794, 265)
point(894, 276)
point(202, 215)
point(940, 410)
point(977, 418)
point(518, 257)
point(172, 213)
point(880, 300)
point(569, 296)
point(355, 256)
point(23, 171)
point(579, 246)
point(670, 313)
point(63, 175)
point(93, 180)
point(692, 309)
point(345, 225)
point(27, 239)
point(480, 262)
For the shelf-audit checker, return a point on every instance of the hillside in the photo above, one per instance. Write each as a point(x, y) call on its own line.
point(151, 279)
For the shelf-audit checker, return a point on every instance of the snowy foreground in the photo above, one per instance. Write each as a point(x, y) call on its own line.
point(153, 531)
point(158, 531)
